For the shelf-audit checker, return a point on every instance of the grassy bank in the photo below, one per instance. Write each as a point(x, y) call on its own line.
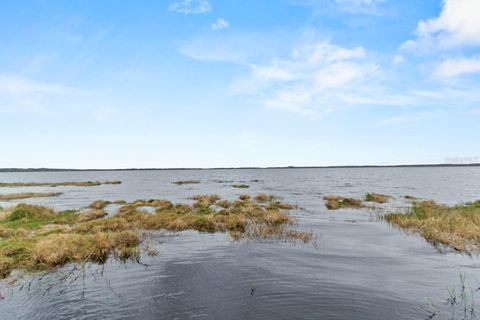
point(37, 238)
point(56, 184)
point(455, 226)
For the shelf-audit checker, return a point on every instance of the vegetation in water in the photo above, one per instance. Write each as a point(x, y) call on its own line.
point(57, 184)
point(338, 202)
point(27, 195)
point(37, 238)
point(456, 226)
point(241, 186)
point(377, 197)
point(182, 182)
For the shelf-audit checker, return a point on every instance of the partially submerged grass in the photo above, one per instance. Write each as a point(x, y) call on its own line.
point(338, 202)
point(241, 186)
point(182, 182)
point(377, 197)
point(27, 195)
point(57, 184)
point(37, 238)
point(455, 226)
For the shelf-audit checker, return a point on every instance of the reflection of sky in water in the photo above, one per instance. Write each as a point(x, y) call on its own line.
point(362, 268)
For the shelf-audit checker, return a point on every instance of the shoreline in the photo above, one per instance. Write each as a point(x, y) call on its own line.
point(439, 165)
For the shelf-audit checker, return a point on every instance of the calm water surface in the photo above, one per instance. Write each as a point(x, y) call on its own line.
point(361, 268)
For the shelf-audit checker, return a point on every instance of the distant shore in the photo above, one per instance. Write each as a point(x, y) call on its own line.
point(245, 168)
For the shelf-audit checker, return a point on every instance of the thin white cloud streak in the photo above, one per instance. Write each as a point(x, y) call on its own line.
point(456, 67)
point(220, 24)
point(21, 95)
point(190, 6)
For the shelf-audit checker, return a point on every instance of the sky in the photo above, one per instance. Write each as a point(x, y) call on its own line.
point(232, 83)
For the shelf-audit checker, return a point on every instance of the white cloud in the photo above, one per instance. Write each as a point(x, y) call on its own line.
point(457, 25)
point(456, 67)
point(190, 6)
point(220, 24)
point(317, 75)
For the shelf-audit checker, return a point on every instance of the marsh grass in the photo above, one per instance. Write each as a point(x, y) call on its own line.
point(241, 186)
point(57, 184)
point(27, 195)
point(338, 202)
point(182, 182)
point(37, 238)
point(455, 226)
point(377, 197)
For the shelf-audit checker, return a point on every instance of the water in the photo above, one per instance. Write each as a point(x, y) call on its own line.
point(361, 269)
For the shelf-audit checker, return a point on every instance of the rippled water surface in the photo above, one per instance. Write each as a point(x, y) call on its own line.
point(361, 267)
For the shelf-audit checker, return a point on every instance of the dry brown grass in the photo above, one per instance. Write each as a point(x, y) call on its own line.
point(27, 195)
point(37, 238)
point(457, 226)
point(377, 197)
point(57, 184)
point(99, 204)
point(338, 202)
point(182, 182)
point(92, 215)
point(263, 197)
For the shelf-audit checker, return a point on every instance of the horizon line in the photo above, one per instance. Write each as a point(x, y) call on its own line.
point(245, 168)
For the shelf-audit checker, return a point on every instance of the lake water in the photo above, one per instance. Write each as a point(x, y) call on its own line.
point(361, 268)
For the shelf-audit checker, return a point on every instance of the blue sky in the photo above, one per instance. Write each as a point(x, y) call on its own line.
point(209, 83)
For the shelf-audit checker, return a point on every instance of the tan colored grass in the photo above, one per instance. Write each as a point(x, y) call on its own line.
point(99, 204)
point(38, 238)
point(263, 197)
point(338, 202)
point(57, 184)
point(27, 195)
point(455, 226)
point(92, 215)
point(244, 197)
point(377, 197)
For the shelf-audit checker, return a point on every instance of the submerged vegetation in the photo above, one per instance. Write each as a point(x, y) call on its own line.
point(37, 238)
point(57, 184)
point(338, 202)
point(27, 195)
point(376, 197)
point(456, 226)
point(182, 182)
point(241, 186)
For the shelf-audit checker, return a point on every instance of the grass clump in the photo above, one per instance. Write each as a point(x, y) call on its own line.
point(377, 197)
point(37, 238)
point(263, 197)
point(57, 184)
point(338, 202)
point(27, 195)
point(182, 182)
point(241, 186)
point(411, 198)
point(455, 226)
point(99, 204)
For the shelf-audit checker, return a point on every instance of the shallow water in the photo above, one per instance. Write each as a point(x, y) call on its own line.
point(361, 268)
